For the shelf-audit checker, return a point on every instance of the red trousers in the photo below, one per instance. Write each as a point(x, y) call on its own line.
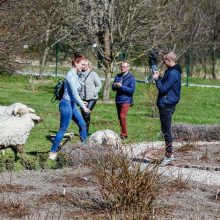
point(122, 110)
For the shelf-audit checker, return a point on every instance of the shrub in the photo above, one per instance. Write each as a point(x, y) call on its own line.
point(42, 159)
point(152, 96)
point(127, 189)
point(1, 164)
point(29, 163)
point(62, 160)
point(187, 132)
point(9, 163)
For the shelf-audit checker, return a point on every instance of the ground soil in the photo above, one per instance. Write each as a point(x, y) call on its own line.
point(74, 193)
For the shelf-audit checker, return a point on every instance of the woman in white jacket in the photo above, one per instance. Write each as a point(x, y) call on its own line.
point(90, 87)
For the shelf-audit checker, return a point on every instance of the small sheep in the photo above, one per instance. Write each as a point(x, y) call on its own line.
point(97, 145)
point(105, 138)
point(16, 122)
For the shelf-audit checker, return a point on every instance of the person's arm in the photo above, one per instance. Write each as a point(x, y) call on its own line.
point(97, 82)
point(172, 78)
point(73, 85)
point(130, 88)
point(114, 87)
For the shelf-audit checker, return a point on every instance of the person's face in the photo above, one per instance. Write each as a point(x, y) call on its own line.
point(124, 67)
point(85, 66)
point(79, 66)
point(166, 61)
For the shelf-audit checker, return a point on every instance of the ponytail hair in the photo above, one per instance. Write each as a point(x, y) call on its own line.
point(77, 58)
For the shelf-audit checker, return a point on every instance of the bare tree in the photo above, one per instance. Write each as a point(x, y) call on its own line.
point(215, 31)
point(112, 25)
point(19, 26)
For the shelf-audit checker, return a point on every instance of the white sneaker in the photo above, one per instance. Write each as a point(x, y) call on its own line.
point(167, 161)
point(52, 156)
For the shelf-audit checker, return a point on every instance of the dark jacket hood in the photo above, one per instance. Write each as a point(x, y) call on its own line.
point(176, 67)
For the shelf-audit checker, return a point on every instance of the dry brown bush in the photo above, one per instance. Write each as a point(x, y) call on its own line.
point(13, 209)
point(186, 132)
point(128, 190)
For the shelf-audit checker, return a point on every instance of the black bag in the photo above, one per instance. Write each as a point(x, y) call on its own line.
point(58, 91)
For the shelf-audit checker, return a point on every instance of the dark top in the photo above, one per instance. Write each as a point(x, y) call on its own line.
point(124, 94)
point(169, 87)
point(153, 56)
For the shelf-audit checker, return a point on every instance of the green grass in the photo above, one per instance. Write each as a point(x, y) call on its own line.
point(201, 81)
point(197, 106)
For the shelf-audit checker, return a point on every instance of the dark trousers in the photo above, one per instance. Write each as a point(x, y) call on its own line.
point(86, 116)
point(122, 110)
point(166, 120)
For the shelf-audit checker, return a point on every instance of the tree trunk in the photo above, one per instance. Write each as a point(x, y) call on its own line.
point(107, 86)
point(43, 61)
point(214, 40)
point(205, 68)
point(213, 60)
point(108, 64)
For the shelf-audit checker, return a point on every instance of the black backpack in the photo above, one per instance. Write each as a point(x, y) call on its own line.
point(58, 91)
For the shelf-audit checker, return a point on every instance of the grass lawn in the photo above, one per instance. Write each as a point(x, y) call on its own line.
point(197, 106)
point(194, 80)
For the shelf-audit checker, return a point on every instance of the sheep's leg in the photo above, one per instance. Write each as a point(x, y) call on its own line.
point(20, 148)
point(17, 149)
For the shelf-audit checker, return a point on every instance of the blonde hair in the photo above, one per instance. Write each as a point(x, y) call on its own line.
point(90, 65)
point(171, 56)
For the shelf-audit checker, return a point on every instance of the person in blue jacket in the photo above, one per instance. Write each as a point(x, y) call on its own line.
point(124, 85)
point(169, 87)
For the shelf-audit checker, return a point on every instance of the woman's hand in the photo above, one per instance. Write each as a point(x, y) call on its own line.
point(87, 110)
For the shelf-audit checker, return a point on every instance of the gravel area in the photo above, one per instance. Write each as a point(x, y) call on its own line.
point(73, 193)
point(185, 154)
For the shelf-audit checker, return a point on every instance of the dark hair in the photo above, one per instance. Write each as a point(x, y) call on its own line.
point(77, 58)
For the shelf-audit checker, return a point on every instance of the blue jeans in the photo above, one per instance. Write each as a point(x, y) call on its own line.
point(68, 111)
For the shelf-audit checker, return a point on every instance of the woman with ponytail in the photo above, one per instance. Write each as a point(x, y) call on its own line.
point(68, 106)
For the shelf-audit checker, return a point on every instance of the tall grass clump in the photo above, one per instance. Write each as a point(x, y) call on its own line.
point(152, 98)
point(127, 189)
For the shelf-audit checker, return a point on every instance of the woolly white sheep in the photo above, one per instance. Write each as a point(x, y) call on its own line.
point(98, 143)
point(16, 122)
point(105, 138)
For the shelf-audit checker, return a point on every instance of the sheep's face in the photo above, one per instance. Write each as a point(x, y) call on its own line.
point(20, 109)
point(35, 118)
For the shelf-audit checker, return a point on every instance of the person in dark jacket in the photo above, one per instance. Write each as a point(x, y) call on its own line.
point(169, 87)
point(124, 85)
point(153, 60)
